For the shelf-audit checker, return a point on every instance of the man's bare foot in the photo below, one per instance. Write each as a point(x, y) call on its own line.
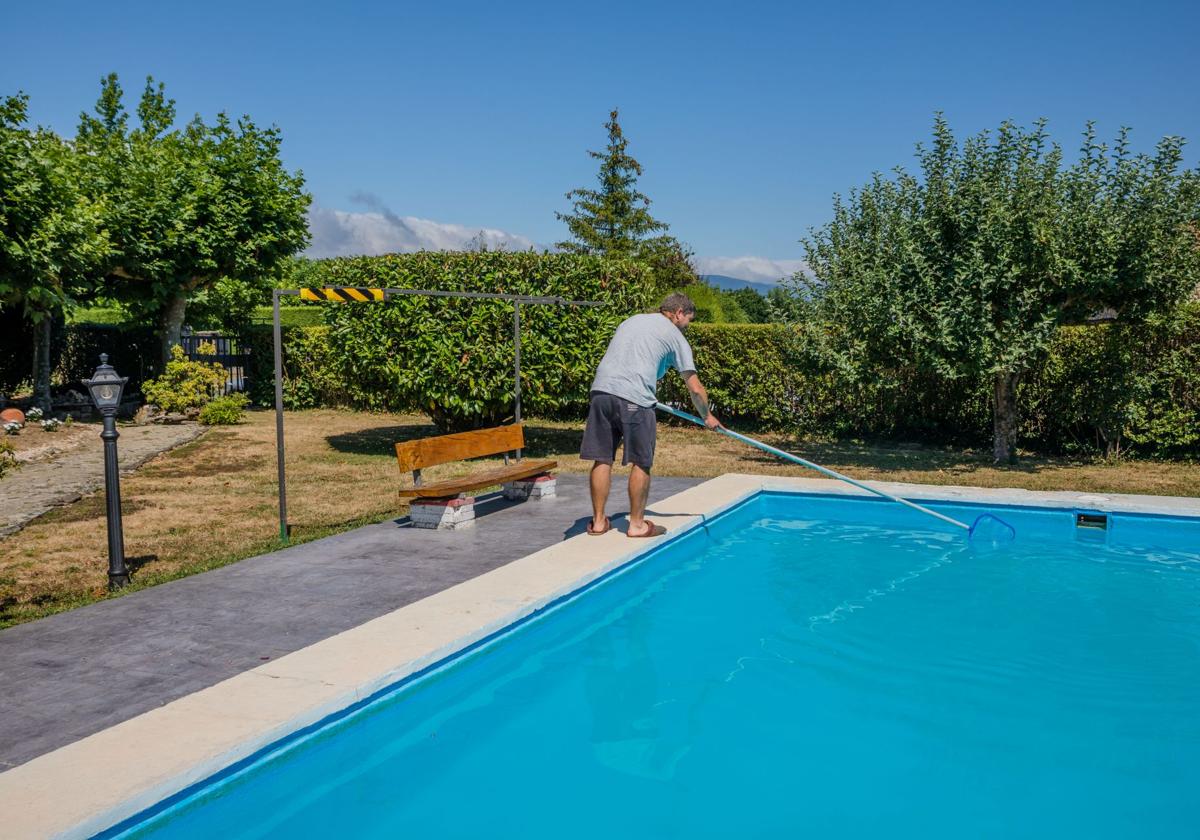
point(603, 529)
point(648, 529)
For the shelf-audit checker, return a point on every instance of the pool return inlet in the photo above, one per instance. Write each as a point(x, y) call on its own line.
point(987, 527)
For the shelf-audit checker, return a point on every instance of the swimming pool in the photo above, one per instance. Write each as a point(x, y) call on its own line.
point(802, 665)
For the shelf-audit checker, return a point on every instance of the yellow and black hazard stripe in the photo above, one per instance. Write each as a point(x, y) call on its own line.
point(342, 294)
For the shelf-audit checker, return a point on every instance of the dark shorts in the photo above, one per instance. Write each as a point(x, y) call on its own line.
point(612, 420)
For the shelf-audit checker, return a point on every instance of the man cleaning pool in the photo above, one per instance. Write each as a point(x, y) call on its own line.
point(622, 406)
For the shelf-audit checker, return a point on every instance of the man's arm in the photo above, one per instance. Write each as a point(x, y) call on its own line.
point(700, 399)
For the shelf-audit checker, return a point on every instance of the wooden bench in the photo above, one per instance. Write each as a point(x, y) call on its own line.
point(443, 504)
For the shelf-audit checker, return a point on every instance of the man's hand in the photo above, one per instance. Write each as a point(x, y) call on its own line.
point(712, 422)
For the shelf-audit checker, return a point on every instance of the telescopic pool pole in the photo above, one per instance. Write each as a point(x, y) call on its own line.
point(796, 459)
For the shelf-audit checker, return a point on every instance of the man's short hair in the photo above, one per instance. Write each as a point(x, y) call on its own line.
point(677, 302)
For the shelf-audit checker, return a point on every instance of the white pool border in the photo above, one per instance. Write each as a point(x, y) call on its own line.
point(99, 781)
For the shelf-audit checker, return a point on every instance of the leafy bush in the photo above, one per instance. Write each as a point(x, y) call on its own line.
point(311, 377)
point(185, 384)
point(224, 411)
point(453, 358)
point(714, 306)
point(1108, 387)
point(8, 460)
point(1102, 388)
point(761, 374)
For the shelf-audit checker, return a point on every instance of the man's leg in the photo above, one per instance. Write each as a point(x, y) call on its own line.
point(600, 438)
point(639, 491)
point(600, 481)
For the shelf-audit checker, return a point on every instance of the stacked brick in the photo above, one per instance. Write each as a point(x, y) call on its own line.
point(443, 514)
point(537, 487)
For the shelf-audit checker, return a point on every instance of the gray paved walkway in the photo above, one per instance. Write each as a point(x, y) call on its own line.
point(37, 487)
point(72, 674)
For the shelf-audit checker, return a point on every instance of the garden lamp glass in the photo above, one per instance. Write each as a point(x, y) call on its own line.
point(106, 387)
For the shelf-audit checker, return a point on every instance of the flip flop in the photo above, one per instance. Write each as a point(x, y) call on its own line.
point(607, 527)
point(652, 530)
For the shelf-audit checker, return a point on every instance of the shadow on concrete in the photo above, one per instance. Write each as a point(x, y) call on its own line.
point(580, 525)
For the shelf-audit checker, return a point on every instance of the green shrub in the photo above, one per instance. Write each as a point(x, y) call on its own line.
point(1106, 388)
point(714, 306)
point(1102, 389)
point(292, 316)
point(453, 358)
point(311, 377)
point(185, 384)
point(761, 374)
point(224, 411)
point(8, 459)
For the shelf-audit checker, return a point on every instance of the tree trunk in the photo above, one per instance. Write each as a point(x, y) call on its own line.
point(1004, 418)
point(41, 363)
point(172, 324)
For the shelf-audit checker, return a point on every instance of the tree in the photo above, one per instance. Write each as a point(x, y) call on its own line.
point(190, 208)
point(669, 265)
point(51, 236)
point(615, 219)
point(755, 305)
point(970, 269)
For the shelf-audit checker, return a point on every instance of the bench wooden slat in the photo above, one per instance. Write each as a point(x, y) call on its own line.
point(429, 452)
point(488, 478)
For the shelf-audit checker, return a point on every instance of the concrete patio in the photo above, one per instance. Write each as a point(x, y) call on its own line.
point(70, 675)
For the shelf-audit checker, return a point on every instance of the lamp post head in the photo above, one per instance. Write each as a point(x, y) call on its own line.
point(105, 387)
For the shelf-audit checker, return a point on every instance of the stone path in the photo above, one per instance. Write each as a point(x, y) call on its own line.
point(37, 487)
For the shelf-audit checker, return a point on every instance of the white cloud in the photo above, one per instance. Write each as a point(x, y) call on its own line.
point(378, 230)
point(756, 269)
point(340, 233)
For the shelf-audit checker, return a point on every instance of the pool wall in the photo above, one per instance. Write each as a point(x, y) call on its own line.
point(100, 781)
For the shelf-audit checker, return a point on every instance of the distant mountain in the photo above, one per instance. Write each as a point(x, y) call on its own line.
point(734, 283)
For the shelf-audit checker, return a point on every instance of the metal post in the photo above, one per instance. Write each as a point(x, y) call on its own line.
point(118, 575)
point(283, 526)
point(517, 365)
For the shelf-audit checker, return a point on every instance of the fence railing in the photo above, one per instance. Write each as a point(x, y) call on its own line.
point(231, 353)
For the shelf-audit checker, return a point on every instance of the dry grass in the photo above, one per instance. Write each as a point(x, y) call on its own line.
point(212, 501)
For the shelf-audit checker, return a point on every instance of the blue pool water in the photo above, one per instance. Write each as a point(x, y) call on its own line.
point(804, 666)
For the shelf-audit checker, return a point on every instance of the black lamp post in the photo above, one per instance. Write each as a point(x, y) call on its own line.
point(106, 387)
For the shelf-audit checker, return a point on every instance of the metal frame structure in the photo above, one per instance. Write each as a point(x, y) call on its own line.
point(517, 300)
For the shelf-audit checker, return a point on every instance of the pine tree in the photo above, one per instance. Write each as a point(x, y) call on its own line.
point(613, 220)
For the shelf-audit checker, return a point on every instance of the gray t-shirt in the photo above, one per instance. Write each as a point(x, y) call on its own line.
point(639, 354)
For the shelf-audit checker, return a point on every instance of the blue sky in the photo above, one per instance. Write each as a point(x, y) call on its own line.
point(422, 124)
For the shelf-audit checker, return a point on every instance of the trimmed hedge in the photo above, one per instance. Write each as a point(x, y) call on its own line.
point(453, 357)
point(1103, 388)
point(310, 373)
point(1110, 387)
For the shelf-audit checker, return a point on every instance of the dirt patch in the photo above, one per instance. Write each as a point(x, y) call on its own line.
point(227, 464)
point(33, 443)
point(93, 507)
